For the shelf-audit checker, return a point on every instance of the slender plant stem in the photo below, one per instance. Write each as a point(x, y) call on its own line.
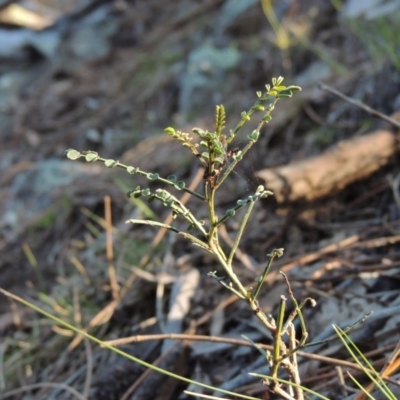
point(191, 218)
point(233, 164)
point(246, 117)
point(229, 271)
point(262, 277)
point(192, 238)
point(240, 232)
point(277, 337)
point(212, 215)
point(140, 172)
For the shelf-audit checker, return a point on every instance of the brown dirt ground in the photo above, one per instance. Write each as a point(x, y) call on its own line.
point(341, 250)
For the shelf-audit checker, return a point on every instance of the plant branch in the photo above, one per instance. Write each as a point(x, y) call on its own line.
point(192, 238)
point(240, 232)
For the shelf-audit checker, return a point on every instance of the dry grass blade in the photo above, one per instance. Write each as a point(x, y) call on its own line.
point(393, 121)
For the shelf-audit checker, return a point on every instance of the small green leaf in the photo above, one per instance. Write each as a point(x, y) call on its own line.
point(259, 107)
point(242, 202)
point(278, 81)
point(260, 189)
point(259, 94)
point(135, 192)
point(199, 131)
point(294, 88)
point(169, 130)
point(230, 213)
point(111, 163)
point(276, 253)
point(245, 116)
point(267, 118)
point(172, 178)
point(180, 185)
point(237, 156)
point(91, 157)
point(72, 154)
point(132, 170)
point(266, 193)
point(153, 177)
point(146, 192)
point(254, 136)
point(286, 93)
point(132, 192)
point(217, 150)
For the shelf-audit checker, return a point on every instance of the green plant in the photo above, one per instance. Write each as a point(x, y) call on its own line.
point(366, 366)
point(215, 154)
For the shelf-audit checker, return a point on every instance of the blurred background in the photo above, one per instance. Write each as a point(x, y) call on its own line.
point(109, 76)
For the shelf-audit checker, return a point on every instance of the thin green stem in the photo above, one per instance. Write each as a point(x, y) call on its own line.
point(268, 321)
point(188, 236)
point(213, 232)
point(275, 253)
point(228, 269)
point(240, 231)
point(278, 337)
point(233, 164)
point(142, 173)
point(293, 370)
point(191, 218)
point(230, 288)
point(297, 312)
point(246, 118)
